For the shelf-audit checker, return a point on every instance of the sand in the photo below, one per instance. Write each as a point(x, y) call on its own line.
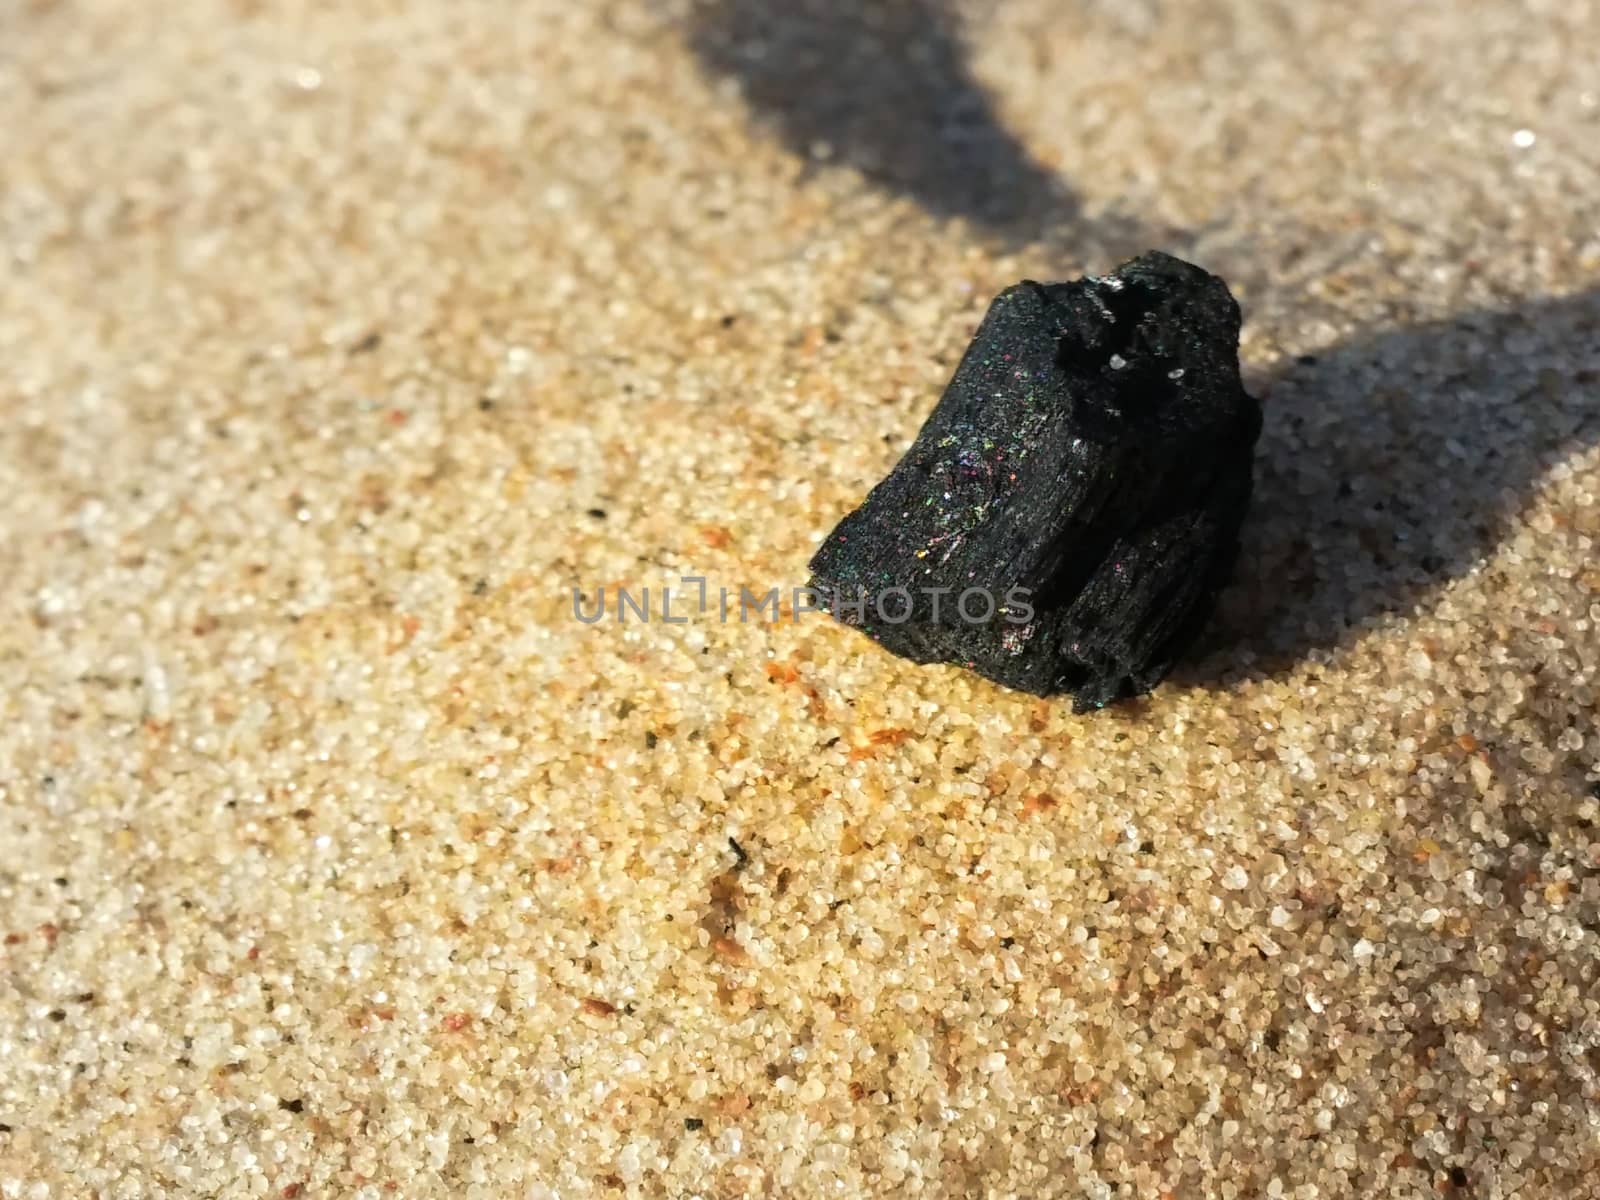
point(340, 343)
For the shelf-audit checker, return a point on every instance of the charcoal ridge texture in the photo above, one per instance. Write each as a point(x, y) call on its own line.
point(1086, 471)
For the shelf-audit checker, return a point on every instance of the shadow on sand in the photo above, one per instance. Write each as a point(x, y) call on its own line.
point(884, 87)
point(1391, 464)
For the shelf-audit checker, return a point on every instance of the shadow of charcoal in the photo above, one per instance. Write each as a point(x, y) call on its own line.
point(1390, 464)
point(886, 87)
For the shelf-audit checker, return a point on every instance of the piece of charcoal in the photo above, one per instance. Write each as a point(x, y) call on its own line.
point(1070, 510)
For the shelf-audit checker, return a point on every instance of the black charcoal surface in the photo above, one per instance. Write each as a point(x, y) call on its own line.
point(1085, 473)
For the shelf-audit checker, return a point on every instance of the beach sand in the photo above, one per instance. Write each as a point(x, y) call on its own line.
point(340, 344)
